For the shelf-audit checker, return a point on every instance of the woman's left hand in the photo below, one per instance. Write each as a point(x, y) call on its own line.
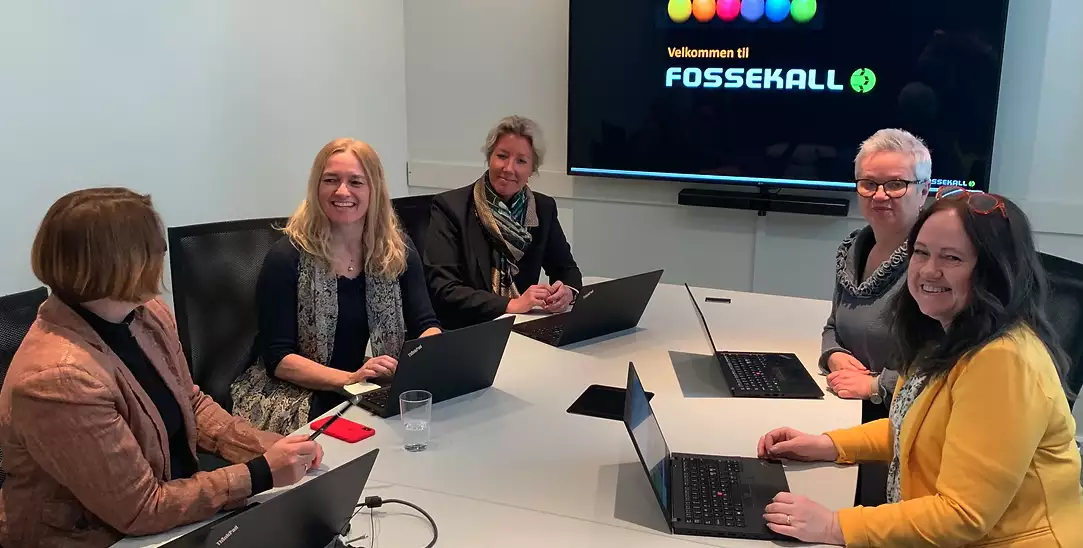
point(560, 298)
point(798, 517)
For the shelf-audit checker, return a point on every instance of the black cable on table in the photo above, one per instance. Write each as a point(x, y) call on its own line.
point(376, 502)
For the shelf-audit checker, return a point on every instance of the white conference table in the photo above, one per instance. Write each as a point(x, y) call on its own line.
point(508, 464)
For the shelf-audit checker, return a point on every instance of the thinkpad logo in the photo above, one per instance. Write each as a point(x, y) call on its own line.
point(414, 351)
point(588, 294)
point(226, 536)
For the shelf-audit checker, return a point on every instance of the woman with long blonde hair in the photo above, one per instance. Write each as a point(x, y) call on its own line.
point(344, 276)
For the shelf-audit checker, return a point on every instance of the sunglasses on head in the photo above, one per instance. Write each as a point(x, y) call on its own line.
point(981, 203)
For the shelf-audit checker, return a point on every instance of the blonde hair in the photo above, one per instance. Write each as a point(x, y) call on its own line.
point(523, 127)
point(382, 242)
point(101, 243)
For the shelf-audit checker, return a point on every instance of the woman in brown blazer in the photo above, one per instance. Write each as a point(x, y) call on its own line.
point(99, 419)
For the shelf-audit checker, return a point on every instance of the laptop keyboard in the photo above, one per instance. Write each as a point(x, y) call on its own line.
point(753, 372)
point(377, 397)
point(712, 492)
point(549, 334)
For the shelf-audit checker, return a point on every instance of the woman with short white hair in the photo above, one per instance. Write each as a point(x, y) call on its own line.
point(892, 171)
point(489, 241)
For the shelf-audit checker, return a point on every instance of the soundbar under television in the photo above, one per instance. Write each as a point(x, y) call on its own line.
point(779, 93)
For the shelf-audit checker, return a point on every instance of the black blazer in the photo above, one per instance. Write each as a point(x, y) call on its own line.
point(459, 259)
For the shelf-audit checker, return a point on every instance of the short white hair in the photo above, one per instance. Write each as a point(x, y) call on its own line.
point(903, 142)
point(523, 127)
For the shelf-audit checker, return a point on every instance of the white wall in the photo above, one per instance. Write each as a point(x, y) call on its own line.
point(468, 63)
point(214, 107)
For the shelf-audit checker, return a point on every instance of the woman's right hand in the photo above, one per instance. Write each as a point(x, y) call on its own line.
point(534, 295)
point(380, 366)
point(787, 443)
point(840, 361)
point(290, 458)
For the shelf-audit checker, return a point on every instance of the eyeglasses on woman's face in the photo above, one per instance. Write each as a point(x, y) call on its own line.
point(895, 188)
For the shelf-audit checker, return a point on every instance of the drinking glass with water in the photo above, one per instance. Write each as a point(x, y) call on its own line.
point(415, 408)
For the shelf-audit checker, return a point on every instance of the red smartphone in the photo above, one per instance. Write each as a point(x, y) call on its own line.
point(345, 430)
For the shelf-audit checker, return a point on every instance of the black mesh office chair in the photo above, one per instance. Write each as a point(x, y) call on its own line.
point(17, 313)
point(1065, 311)
point(214, 268)
point(413, 212)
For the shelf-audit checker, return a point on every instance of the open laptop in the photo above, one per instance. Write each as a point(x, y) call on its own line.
point(310, 515)
point(761, 374)
point(601, 309)
point(702, 495)
point(447, 365)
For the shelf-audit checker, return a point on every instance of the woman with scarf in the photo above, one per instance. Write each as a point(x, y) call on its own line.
point(488, 242)
point(892, 171)
point(344, 276)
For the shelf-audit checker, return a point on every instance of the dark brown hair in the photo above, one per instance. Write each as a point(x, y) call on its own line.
point(100, 243)
point(1008, 289)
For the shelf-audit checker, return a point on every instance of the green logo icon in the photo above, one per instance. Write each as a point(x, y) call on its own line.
point(863, 80)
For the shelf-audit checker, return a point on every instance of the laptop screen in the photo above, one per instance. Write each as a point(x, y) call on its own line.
point(702, 319)
point(647, 438)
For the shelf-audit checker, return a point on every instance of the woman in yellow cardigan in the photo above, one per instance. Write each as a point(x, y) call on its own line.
point(980, 438)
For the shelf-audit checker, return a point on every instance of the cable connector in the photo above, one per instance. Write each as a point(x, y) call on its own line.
point(374, 502)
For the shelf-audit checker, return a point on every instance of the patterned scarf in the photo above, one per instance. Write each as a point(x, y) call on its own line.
point(279, 406)
point(881, 280)
point(900, 406)
point(508, 226)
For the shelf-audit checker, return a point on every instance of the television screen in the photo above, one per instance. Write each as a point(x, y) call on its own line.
point(780, 93)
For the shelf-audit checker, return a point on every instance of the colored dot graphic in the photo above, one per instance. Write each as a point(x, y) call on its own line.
point(776, 11)
point(863, 80)
point(803, 11)
point(679, 10)
point(752, 10)
point(728, 10)
point(703, 10)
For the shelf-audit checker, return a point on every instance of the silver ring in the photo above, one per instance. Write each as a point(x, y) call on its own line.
point(789, 520)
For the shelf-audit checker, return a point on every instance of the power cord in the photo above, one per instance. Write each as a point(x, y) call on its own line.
point(376, 502)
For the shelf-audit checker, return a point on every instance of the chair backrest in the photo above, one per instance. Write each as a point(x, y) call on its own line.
point(1065, 311)
point(413, 212)
point(17, 313)
point(214, 268)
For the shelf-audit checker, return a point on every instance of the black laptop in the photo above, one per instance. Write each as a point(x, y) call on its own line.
point(447, 365)
point(702, 495)
point(761, 374)
point(601, 309)
point(310, 515)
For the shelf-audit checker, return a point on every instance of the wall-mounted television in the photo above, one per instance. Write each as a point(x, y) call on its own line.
point(780, 93)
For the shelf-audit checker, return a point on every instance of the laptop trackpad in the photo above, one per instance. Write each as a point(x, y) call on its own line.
point(604, 402)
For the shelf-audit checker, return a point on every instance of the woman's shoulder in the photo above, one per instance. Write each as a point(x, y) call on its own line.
point(544, 202)
point(57, 355)
point(409, 247)
point(461, 195)
point(283, 253)
point(1017, 356)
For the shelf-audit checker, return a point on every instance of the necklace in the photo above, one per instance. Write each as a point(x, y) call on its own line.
point(344, 253)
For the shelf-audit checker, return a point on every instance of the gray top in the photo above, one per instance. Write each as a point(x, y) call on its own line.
point(859, 322)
